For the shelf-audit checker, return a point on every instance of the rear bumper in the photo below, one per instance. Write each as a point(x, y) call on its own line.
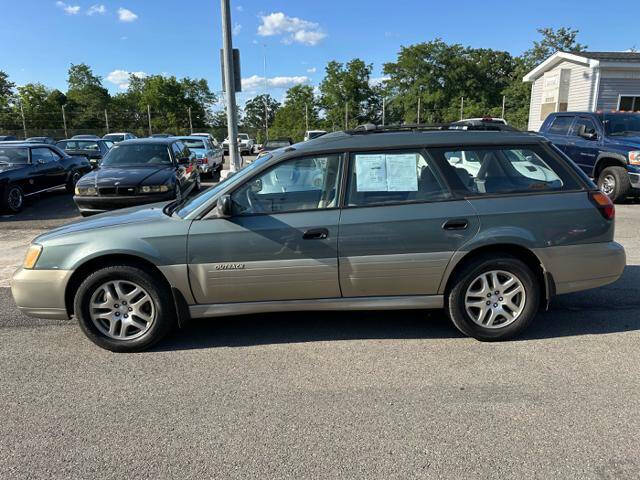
point(104, 204)
point(581, 267)
point(40, 293)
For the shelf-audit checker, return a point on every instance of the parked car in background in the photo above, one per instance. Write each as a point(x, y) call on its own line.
point(274, 144)
point(162, 135)
point(49, 140)
point(311, 134)
point(605, 145)
point(86, 137)
point(245, 144)
point(119, 137)
point(211, 138)
point(7, 138)
point(94, 150)
point(29, 168)
point(210, 158)
point(485, 123)
point(138, 171)
point(349, 221)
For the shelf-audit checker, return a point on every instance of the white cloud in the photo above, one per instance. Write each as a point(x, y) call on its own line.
point(296, 30)
point(378, 80)
point(121, 78)
point(124, 38)
point(236, 29)
point(256, 82)
point(312, 70)
point(126, 15)
point(240, 8)
point(99, 9)
point(68, 9)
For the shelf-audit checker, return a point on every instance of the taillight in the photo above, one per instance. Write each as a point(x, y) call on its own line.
point(603, 204)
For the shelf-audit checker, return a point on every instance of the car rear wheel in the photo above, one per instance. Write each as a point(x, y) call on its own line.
point(124, 309)
point(614, 182)
point(13, 200)
point(493, 298)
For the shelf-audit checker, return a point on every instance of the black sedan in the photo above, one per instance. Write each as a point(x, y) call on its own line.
point(7, 138)
point(30, 168)
point(94, 150)
point(139, 171)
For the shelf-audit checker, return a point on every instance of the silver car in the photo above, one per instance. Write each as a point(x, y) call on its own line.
point(360, 220)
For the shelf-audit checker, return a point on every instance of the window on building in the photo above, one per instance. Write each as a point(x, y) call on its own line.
point(629, 103)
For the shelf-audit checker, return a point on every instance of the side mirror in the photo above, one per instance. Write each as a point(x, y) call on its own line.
point(223, 206)
point(582, 132)
point(256, 186)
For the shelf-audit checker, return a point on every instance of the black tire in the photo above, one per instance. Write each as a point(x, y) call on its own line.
point(12, 199)
point(621, 183)
point(71, 183)
point(455, 299)
point(159, 292)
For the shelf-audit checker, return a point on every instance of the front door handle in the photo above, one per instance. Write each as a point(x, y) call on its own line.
point(316, 234)
point(460, 224)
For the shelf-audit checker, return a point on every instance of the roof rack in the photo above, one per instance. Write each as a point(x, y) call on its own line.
point(459, 126)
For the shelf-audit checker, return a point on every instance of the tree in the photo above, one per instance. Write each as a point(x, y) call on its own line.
point(87, 99)
point(6, 89)
point(290, 119)
point(254, 114)
point(347, 87)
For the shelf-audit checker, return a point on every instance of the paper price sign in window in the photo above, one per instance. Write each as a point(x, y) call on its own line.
point(386, 173)
point(371, 173)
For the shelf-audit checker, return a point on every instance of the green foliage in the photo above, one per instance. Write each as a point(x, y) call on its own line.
point(347, 87)
point(290, 118)
point(87, 99)
point(254, 115)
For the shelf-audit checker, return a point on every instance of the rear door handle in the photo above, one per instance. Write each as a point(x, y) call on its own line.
point(316, 234)
point(460, 224)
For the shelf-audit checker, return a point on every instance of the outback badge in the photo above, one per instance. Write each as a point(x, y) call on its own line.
point(230, 266)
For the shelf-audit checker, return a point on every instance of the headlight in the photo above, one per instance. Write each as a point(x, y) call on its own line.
point(32, 255)
point(86, 191)
point(634, 157)
point(154, 189)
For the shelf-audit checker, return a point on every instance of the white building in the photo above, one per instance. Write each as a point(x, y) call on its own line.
point(584, 81)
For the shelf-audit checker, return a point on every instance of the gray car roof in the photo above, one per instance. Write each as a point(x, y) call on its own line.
point(412, 139)
point(154, 140)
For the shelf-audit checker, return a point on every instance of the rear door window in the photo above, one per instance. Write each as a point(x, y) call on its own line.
point(378, 178)
point(490, 170)
point(560, 125)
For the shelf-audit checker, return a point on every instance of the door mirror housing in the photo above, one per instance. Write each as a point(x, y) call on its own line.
point(223, 206)
point(582, 132)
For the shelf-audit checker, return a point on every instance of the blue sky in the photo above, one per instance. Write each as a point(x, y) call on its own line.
point(41, 38)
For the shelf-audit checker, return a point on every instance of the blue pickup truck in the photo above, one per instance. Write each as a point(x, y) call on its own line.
point(605, 145)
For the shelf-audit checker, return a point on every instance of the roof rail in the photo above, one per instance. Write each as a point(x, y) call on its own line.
point(415, 127)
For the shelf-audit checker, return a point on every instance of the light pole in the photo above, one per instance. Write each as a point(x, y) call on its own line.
point(384, 109)
point(266, 92)
point(419, 101)
point(230, 94)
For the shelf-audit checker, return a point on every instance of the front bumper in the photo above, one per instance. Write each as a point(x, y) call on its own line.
point(101, 204)
point(40, 293)
point(634, 178)
point(581, 267)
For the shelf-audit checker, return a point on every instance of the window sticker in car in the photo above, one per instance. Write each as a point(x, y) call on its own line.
point(402, 175)
point(371, 173)
point(386, 172)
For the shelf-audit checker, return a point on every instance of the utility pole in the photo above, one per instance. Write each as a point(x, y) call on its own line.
point(106, 119)
point(190, 123)
point(346, 115)
point(384, 108)
point(266, 92)
point(24, 124)
point(149, 118)
point(230, 94)
point(504, 101)
point(64, 122)
point(461, 108)
point(306, 116)
point(419, 102)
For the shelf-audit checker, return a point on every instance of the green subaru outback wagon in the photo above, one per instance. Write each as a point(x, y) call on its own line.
point(487, 225)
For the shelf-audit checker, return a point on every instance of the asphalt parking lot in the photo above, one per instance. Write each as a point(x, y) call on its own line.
point(339, 395)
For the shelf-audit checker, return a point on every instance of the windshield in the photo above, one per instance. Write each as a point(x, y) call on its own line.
point(191, 143)
point(14, 156)
point(622, 124)
point(115, 138)
point(196, 202)
point(137, 154)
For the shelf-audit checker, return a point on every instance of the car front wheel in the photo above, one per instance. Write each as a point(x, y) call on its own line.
point(493, 298)
point(124, 309)
point(614, 182)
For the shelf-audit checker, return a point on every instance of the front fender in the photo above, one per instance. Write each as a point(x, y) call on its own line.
point(603, 156)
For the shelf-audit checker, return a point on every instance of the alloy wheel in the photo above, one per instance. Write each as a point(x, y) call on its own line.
point(122, 310)
point(495, 299)
point(608, 184)
point(15, 199)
